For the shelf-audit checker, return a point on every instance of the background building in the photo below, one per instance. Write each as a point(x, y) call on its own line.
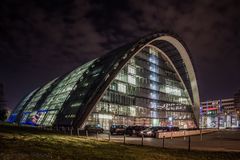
point(237, 100)
point(149, 82)
point(221, 113)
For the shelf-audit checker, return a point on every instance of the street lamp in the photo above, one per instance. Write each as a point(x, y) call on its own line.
point(238, 117)
point(225, 119)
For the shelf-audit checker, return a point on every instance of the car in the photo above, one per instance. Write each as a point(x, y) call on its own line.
point(93, 129)
point(152, 131)
point(134, 130)
point(170, 128)
point(117, 129)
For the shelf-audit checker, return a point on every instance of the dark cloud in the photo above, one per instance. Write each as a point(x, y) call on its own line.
point(40, 40)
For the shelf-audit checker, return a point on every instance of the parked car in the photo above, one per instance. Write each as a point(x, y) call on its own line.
point(134, 130)
point(93, 129)
point(152, 131)
point(169, 129)
point(117, 129)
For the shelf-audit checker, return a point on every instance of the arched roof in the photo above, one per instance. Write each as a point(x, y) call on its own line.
point(98, 77)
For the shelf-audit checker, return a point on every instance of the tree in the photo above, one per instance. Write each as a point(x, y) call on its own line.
point(3, 111)
point(3, 114)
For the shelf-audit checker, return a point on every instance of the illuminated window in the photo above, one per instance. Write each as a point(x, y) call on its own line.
point(132, 111)
point(132, 61)
point(121, 77)
point(153, 77)
point(113, 86)
point(153, 68)
point(153, 105)
point(131, 69)
point(153, 95)
point(153, 51)
point(131, 79)
point(122, 87)
point(183, 100)
point(173, 91)
point(153, 86)
point(153, 59)
point(104, 116)
point(155, 122)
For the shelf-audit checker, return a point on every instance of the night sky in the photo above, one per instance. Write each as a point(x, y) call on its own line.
point(42, 39)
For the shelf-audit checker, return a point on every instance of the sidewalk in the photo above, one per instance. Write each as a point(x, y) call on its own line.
point(175, 134)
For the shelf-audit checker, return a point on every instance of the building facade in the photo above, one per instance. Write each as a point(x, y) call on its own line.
point(148, 82)
point(221, 113)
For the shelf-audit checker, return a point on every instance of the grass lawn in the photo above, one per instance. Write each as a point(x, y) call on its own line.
point(29, 143)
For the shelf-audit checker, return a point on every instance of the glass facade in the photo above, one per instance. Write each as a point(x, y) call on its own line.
point(147, 91)
point(146, 82)
point(18, 110)
point(54, 102)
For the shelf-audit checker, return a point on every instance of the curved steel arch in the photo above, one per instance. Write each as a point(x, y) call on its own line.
point(129, 52)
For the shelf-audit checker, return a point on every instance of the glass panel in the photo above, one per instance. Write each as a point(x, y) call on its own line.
point(60, 94)
point(23, 102)
point(148, 93)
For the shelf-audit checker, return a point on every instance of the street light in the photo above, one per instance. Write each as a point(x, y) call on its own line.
point(238, 117)
point(225, 113)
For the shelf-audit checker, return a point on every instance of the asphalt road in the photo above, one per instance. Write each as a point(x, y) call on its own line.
point(223, 140)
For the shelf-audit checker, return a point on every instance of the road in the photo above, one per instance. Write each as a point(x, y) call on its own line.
point(223, 140)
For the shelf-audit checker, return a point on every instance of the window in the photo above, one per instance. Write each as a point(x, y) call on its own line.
point(153, 59)
point(153, 51)
point(131, 69)
point(153, 77)
point(173, 91)
point(153, 104)
point(113, 86)
point(122, 87)
point(155, 122)
point(131, 79)
point(132, 111)
point(153, 86)
point(121, 77)
point(153, 95)
point(132, 61)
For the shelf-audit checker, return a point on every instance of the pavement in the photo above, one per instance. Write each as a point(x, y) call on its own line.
point(223, 140)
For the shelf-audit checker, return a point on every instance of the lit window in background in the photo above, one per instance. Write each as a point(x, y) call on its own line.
point(154, 114)
point(173, 91)
point(183, 100)
point(153, 77)
point(155, 122)
point(153, 68)
point(131, 79)
point(153, 51)
point(153, 59)
point(153, 86)
point(104, 116)
point(153, 105)
point(122, 87)
point(131, 70)
point(153, 96)
point(132, 111)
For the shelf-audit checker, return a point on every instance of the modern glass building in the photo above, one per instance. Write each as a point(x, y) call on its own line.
point(148, 82)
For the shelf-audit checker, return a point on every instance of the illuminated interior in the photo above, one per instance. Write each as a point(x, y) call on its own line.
point(147, 91)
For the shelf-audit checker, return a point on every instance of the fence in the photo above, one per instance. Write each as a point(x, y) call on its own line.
point(175, 134)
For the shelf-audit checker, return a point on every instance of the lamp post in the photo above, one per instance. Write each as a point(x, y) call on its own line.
point(225, 119)
point(238, 117)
